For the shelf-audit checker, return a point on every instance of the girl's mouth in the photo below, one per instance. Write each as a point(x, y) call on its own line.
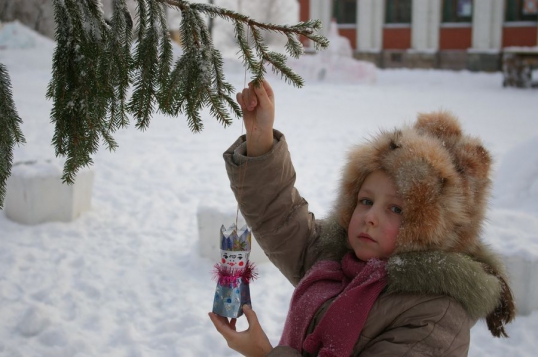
point(366, 237)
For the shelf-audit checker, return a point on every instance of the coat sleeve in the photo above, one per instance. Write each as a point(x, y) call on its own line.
point(272, 206)
point(436, 327)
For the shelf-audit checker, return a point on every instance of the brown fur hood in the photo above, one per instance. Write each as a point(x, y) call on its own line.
point(443, 177)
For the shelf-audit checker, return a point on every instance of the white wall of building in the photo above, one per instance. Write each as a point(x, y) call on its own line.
point(322, 10)
point(370, 18)
point(426, 20)
point(487, 25)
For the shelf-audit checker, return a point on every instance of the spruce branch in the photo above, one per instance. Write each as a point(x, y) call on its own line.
point(307, 29)
point(165, 51)
point(293, 46)
point(79, 89)
point(10, 132)
point(95, 66)
point(198, 79)
point(278, 62)
point(147, 66)
point(249, 60)
point(118, 71)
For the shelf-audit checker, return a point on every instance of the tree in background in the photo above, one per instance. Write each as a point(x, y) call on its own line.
point(36, 14)
point(97, 62)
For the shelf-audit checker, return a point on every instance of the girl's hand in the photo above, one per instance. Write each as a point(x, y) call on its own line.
point(258, 106)
point(252, 342)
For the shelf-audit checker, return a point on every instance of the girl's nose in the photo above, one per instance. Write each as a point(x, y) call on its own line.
point(371, 217)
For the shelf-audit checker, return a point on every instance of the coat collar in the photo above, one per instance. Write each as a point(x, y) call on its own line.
point(477, 282)
point(444, 273)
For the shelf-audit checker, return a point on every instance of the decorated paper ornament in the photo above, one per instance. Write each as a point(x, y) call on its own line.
point(234, 272)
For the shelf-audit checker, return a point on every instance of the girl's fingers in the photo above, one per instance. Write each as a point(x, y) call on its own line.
point(221, 324)
point(250, 98)
point(247, 99)
point(268, 89)
point(239, 97)
point(265, 94)
point(252, 319)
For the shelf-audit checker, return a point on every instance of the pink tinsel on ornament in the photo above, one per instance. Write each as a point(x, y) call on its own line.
point(227, 276)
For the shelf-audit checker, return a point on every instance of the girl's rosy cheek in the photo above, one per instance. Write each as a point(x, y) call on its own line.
point(241, 264)
point(223, 260)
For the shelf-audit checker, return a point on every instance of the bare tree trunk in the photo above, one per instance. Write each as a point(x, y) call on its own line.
point(36, 14)
point(40, 10)
point(6, 10)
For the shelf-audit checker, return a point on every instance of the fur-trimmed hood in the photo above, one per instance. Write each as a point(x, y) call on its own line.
point(441, 174)
point(443, 178)
point(441, 273)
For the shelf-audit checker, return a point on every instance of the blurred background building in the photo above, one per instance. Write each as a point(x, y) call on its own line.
point(39, 16)
point(448, 34)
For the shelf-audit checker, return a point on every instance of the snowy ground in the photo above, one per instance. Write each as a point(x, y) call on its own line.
point(125, 279)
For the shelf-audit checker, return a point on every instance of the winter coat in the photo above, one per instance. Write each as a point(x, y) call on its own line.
point(432, 298)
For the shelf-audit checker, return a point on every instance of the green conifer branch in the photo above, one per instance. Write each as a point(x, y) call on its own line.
point(198, 78)
point(10, 132)
point(95, 67)
point(278, 63)
point(119, 69)
point(146, 62)
point(307, 29)
point(249, 61)
point(79, 89)
point(293, 45)
point(171, 99)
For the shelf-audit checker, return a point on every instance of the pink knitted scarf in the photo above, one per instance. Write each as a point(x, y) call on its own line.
point(355, 284)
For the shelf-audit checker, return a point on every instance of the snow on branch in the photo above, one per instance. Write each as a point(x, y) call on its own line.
point(97, 62)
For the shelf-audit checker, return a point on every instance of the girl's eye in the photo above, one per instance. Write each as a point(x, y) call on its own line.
point(366, 202)
point(396, 209)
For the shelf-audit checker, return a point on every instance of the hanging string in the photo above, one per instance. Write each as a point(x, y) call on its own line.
point(242, 177)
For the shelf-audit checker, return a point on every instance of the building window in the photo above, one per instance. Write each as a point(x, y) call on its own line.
point(521, 10)
point(398, 12)
point(345, 11)
point(457, 10)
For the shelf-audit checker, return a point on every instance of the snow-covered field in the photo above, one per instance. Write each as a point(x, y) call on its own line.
point(126, 279)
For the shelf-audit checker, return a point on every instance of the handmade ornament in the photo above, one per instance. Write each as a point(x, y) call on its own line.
point(234, 272)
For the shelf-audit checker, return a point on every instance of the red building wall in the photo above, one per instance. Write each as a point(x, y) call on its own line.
point(519, 36)
point(304, 15)
point(449, 38)
point(455, 38)
point(396, 38)
point(351, 34)
point(304, 10)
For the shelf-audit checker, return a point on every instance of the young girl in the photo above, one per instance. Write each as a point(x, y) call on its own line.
point(398, 267)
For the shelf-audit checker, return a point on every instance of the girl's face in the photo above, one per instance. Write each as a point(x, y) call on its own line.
point(234, 259)
point(375, 223)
